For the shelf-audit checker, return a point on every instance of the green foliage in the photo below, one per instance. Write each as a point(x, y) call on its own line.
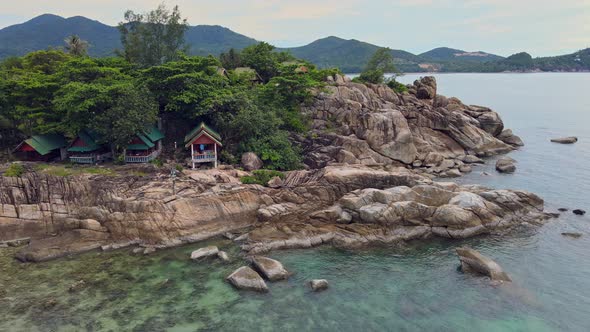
point(261, 177)
point(75, 46)
point(397, 86)
point(153, 38)
point(51, 91)
point(231, 60)
point(262, 58)
point(15, 170)
point(380, 63)
point(157, 162)
point(179, 168)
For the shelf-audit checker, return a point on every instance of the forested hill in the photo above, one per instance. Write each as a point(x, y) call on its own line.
point(350, 56)
point(48, 30)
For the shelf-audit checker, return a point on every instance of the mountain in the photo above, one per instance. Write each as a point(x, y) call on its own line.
point(348, 55)
point(50, 31)
point(578, 61)
point(450, 54)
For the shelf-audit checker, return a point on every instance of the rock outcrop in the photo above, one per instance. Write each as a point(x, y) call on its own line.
point(64, 215)
point(473, 261)
point(373, 125)
point(397, 214)
point(371, 157)
point(247, 279)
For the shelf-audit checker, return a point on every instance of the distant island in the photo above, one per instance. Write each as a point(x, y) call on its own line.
point(49, 31)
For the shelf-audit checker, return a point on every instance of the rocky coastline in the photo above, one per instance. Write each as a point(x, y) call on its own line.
point(371, 158)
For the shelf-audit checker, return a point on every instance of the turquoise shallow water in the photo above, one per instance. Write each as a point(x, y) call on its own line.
point(410, 288)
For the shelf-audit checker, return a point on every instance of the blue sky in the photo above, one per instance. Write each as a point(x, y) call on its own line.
point(540, 27)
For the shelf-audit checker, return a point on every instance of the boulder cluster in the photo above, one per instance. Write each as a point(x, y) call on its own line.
point(374, 125)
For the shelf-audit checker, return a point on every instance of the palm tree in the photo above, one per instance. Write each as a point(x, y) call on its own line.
point(76, 46)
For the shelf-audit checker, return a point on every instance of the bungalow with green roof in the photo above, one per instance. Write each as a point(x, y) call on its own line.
point(46, 147)
point(145, 146)
point(85, 149)
point(204, 143)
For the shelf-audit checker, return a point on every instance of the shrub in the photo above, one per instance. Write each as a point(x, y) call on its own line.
point(15, 170)
point(179, 168)
point(261, 177)
point(397, 86)
point(157, 162)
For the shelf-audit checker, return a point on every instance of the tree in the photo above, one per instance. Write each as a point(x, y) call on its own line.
point(262, 58)
point(76, 46)
point(380, 63)
point(132, 111)
point(154, 38)
point(116, 110)
point(231, 60)
point(28, 87)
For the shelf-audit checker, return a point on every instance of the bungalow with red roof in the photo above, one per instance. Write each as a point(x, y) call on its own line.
point(204, 143)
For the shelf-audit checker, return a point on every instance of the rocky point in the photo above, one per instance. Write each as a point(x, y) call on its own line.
point(370, 156)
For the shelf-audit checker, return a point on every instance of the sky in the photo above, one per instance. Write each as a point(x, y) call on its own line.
point(504, 27)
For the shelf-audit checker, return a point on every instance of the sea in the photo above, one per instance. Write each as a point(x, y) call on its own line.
point(412, 287)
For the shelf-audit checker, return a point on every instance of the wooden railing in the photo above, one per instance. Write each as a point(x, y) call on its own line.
point(92, 159)
point(204, 157)
point(83, 160)
point(142, 159)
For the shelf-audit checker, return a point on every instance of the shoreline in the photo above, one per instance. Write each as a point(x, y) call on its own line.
point(476, 72)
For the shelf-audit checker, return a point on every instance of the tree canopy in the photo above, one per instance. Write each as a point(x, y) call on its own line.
point(58, 92)
point(153, 38)
point(62, 92)
point(380, 63)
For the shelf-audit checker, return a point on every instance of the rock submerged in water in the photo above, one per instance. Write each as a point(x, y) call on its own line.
point(572, 235)
point(271, 269)
point(473, 261)
point(318, 285)
point(505, 165)
point(223, 256)
point(204, 252)
point(565, 140)
point(247, 279)
point(579, 212)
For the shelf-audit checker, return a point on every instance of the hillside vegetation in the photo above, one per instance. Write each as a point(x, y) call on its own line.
point(351, 56)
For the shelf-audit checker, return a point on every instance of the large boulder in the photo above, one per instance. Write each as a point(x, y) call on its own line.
point(388, 133)
point(318, 285)
point(204, 252)
point(473, 261)
point(425, 87)
point(505, 165)
point(251, 161)
point(508, 137)
point(247, 279)
point(491, 123)
point(565, 140)
point(271, 269)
